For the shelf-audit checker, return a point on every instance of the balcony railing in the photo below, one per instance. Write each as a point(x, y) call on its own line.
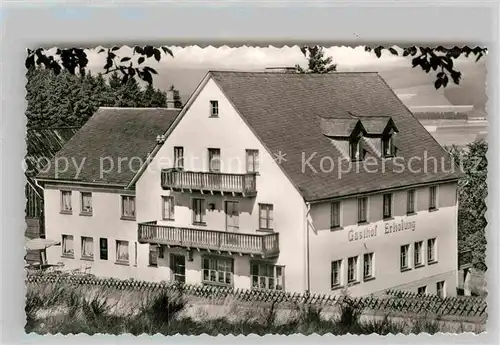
point(464, 259)
point(209, 181)
point(265, 245)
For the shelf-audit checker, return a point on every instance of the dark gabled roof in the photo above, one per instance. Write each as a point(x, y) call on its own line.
point(376, 125)
point(111, 134)
point(284, 110)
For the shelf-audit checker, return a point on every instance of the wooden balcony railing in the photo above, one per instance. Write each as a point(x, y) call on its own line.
point(265, 245)
point(208, 181)
point(464, 259)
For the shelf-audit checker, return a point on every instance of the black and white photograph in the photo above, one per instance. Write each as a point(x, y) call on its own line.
point(294, 189)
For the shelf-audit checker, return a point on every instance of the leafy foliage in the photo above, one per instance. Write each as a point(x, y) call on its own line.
point(67, 100)
point(317, 62)
point(439, 59)
point(472, 189)
point(75, 60)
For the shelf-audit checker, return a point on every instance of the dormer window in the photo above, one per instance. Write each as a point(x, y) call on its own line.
point(356, 149)
point(388, 145)
point(214, 108)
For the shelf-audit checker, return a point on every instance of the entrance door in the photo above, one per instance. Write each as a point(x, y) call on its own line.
point(232, 223)
point(178, 267)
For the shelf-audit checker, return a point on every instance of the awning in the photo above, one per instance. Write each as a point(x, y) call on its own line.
point(40, 244)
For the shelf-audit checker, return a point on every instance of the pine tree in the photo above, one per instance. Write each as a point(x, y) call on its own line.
point(317, 62)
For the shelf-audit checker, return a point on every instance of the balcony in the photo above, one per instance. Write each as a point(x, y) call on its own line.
point(210, 182)
point(465, 259)
point(220, 241)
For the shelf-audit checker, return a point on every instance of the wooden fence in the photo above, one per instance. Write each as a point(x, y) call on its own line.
point(392, 302)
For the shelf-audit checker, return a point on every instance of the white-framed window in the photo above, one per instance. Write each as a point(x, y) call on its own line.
point(67, 246)
point(214, 160)
point(362, 209)
point(179, 157)
point(410, 201)
point(404, 257)
point(218, 270)
point(266, 216)
point(252, 161)
point(433, 197)
point(368, 266)
point(417, 253)
point(66, 201)
point(168, 207)
point(122, 252)
point(352, 269)
point(388, 146)
point(387, 205)
point(356, 149)
point(267, 276)
point(431, 250)
point(440, 290)
point(86, 201)
point(153, 255)
point(335, 215)
point(214, 108)
point(128, 206)
point(198, 211)
point(422, 290)
point(336, 273)
point(87, 247)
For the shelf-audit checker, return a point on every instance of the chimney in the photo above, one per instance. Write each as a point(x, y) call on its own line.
point(281, 69)
point(170, 99)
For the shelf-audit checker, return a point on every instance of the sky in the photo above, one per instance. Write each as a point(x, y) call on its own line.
point(190, 63)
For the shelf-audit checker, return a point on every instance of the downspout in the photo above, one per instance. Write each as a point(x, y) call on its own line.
point(308, 273)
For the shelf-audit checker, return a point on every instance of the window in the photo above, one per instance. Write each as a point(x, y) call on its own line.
point(335, 215)
point(336, 273)
point(122, 255)
point(198, 211)
point(214, 160)
point(265, 216)
point(362, 211)
point(368, 266)
point(168, 207)
point(352, 269)
point(66, 201)
point(422, 290)
point(388, 146)
point(252, 161)
point(153, 255)
point(356, 149)
point(218, 270)
point(410, 201)
point(440, 289)
point(404, 260)
point(214, 108)
point(232, 216)
point(387, 205)
point(432, 197)
point(431, 250)
point(128, 206)
point(179, 157)
point(67, 246)
point(86, 203)
point(267, 276)
point(417, 254)
point(103, 248)
point(87, 247)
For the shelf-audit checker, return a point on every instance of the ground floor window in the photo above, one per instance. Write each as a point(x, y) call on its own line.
point(422, 290)
point(122, 254)
point(352, 269)
point(368, 266)
point(178, 267)
point(103, 248)
point(440, 289)
point(67, 245)
point(267, 276)
point(218, 270)
point(336, 273)
point(87, 247)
